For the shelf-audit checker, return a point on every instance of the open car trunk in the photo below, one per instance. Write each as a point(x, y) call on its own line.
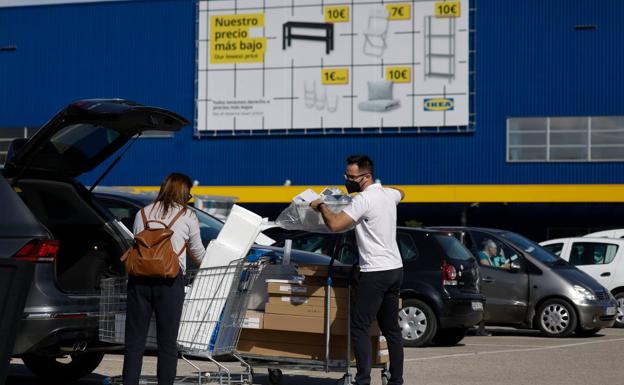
point(89, 246)
point(76, 140)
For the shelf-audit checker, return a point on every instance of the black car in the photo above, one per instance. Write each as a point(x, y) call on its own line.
point(70, 240)
point(440, 291)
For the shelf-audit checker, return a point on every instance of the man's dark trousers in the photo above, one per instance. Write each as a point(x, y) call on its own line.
point(164, 297)
point(375, 295)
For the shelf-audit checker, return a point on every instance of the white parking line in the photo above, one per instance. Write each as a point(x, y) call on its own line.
point(510, 346)
point(146, 360)
point(512, 350)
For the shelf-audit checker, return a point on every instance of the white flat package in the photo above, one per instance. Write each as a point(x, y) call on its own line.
point(300, 216)
point(206, 298)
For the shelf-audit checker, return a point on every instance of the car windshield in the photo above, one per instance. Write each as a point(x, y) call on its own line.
point(453, 248)
point(532, 248)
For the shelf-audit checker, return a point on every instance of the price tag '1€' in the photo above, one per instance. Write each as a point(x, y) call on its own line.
point(333, 76)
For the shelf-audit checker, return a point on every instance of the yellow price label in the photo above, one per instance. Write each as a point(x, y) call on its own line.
point(337, 14)
point(447, 9)
point(335, 76)
point(399, 11)
point(399, 74)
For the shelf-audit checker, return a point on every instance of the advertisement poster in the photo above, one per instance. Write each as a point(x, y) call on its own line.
point(322, 64)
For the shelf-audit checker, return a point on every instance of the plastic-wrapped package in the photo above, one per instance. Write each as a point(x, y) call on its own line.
point(300, 216)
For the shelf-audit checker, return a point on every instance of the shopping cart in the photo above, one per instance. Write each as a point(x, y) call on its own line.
point(213, 312)
point(275, 364)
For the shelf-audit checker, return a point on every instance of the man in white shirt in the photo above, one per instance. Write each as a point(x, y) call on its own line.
point(376, 287)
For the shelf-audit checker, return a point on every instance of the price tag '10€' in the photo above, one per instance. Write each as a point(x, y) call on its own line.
point(337, 14)
point(399, 74)
point(447, 9)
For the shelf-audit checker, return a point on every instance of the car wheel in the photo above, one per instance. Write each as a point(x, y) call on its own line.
point(69, 368)
point(418, 323)
point(556, 318)
point(449, 337)
point(619, 316)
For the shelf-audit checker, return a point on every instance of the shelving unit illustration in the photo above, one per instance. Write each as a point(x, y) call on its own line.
point(440, 62)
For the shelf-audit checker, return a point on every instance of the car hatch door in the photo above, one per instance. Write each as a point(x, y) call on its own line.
point(85, 133)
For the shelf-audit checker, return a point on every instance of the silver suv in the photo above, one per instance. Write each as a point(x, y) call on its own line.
point(59, 228)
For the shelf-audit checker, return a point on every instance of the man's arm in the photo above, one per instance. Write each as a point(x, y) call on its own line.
point(335, 222)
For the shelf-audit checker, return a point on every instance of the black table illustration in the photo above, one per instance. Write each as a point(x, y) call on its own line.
point(288, 34)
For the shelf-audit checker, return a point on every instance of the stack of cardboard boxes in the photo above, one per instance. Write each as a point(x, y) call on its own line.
point(293, 322)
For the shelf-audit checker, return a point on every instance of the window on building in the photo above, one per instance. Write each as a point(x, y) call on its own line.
point(566, 139)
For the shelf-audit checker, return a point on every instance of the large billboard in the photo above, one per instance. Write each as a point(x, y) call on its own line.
point(315, 65)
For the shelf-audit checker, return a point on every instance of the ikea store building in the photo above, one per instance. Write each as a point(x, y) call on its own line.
point(491, 113)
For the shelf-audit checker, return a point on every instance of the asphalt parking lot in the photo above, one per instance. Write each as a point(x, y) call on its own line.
point(509, 356)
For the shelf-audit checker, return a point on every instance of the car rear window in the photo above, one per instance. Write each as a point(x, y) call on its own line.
point(453, 248)
point(85, 139)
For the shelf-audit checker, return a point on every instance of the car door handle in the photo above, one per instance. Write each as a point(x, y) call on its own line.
point(607, 274)
point(488, 280)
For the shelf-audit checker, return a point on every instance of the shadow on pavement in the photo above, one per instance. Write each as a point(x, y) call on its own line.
point(20, 375)
point(509, 332)
point(297, 379)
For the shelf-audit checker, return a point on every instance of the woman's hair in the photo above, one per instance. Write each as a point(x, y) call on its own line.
point(175, 189)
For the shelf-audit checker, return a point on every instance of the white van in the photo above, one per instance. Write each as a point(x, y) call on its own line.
point(601, 258)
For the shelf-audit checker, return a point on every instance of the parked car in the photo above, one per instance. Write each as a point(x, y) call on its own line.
point(20, 233)
point(72, 240)
point(532, 288)
point(601, 258)
point(440, 291)
point(615, 233)
point(125, 204)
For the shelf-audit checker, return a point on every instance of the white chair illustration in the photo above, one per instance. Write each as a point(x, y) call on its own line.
point(376, 32)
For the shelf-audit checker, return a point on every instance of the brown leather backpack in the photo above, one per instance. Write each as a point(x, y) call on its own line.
point(152, 254)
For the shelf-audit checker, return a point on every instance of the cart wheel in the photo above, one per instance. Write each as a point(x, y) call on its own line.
point(345, 380)
point(385, 377)
point(275, 376)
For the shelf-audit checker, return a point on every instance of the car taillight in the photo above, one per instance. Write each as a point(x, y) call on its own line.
point(39, 251)
point(449, 274)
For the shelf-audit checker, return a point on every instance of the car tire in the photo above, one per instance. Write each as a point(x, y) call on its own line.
point(619, 316)
point(418, 323)
point(449, 337)
point(556, 318)
point(50, 367)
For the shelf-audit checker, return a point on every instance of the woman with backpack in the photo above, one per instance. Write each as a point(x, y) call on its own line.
point(164, 231)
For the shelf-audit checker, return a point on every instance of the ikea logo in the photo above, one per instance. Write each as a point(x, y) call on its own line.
point(439, 104)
